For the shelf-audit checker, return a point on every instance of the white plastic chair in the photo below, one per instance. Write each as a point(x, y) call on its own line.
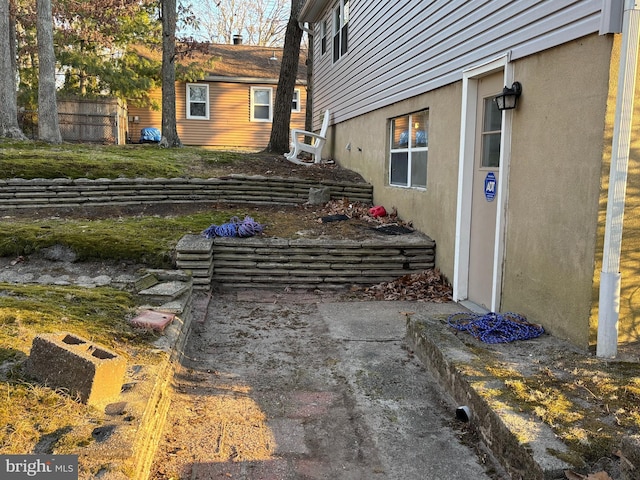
point(298, 144)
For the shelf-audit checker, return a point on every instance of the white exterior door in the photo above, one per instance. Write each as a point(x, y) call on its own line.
point(483, 173)
point(486, 175)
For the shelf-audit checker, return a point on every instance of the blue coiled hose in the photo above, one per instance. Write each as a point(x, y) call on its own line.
point(235, 228)
point(495, 327)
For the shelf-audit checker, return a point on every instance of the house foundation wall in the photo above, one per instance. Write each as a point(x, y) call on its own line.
point(554, 186)
point(431, 210)
point(553, 200)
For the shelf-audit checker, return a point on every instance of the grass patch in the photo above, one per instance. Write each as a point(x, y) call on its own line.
point(99, 314)
point(30, 413)
point(140, 239)
point(39, 160)
point(589, 404)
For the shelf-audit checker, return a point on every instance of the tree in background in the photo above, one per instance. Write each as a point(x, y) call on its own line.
point(91, 42)
point(48, 126)
point(279, 139)
point(169, 16)
point(9, 112)
point(258, 22)
point(94, 39)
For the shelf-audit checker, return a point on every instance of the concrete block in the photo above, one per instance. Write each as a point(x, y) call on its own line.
point(88, 371)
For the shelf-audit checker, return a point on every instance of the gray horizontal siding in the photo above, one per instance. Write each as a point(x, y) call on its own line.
point(399, 50)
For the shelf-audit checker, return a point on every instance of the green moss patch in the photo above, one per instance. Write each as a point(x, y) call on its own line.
point(142, 239)
point(588, 403)
point(31, 413)
point(38, 160)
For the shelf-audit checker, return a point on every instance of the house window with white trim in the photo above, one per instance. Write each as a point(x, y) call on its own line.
point(340, 29)
point(295, 105)
point(261, 104)
point(408, 150)
point(198, 101)
point(324, 37)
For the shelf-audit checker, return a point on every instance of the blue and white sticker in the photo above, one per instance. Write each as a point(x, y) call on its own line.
point(490, 187)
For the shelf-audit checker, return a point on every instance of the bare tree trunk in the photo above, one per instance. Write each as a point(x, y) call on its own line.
point(8, 107)
point(48, 126)
point(279, 140)
point(169, 129)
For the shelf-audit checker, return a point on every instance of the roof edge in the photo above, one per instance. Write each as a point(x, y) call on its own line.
point(312, 10)
point(222, 78)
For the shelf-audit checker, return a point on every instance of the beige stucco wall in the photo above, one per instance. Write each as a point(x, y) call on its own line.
point(629, 315)
point(551, 242)
point(433, 210)
point(554, 187)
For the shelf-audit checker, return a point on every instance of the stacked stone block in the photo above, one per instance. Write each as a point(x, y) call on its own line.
point(194, 255)
point(309, 263)
point(42, 193)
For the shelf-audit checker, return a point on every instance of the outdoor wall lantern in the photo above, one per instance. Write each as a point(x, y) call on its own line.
point(508, 99)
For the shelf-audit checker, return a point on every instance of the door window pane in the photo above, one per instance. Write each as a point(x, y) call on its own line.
point(491, 134)
point(491, 150)
point(492, 116)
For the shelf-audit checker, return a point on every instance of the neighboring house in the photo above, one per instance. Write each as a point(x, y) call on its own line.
point(232, 106)
point(516, 200)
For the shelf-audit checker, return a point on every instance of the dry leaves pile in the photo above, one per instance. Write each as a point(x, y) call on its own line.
point(427, 286)
point(360, 211)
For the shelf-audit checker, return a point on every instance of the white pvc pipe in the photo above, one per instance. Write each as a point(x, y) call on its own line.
point(609, 302)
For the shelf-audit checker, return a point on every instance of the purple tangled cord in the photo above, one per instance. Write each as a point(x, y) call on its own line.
point(234, 228)
point(495, 327)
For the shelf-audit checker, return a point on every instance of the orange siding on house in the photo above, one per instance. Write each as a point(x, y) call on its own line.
point(140, 118)
point(229, 123)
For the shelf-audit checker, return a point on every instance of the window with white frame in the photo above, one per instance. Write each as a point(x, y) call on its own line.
point(324, 37)
point(295, 104)
point(408, 150)
point(261, 104)
point(198, 101)
point(340, 29)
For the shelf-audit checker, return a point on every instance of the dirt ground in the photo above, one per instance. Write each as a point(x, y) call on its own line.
point(279, 221)
point(576, 373)
point(288, 386)
point(270, 165)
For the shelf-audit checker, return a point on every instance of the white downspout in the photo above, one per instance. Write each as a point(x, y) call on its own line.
point(609, 302)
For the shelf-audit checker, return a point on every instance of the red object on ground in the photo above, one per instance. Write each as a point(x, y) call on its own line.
point(378, 211)
point(153, 319)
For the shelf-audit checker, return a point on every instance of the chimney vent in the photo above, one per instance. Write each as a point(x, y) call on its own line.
point(237, 39)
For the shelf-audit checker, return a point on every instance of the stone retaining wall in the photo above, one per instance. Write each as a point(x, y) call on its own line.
point(63, 192)
point(248, 262)
point(275, 263)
